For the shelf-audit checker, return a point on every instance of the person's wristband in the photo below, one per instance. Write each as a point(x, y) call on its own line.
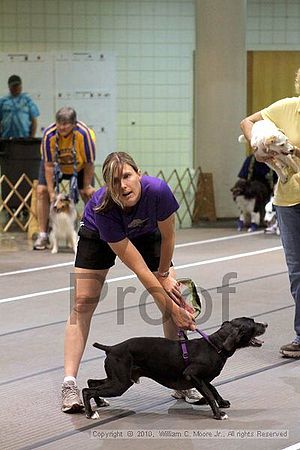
point(164, 274)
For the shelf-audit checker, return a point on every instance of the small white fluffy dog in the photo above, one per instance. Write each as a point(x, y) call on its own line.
point(266, 137)
point(63, 218)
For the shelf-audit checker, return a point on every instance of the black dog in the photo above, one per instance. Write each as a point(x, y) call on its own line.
point(162, 360)
point(251, 198)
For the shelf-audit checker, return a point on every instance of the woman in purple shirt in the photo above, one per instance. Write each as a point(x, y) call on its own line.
point(132, 217)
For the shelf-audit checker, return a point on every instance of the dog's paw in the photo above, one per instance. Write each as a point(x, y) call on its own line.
point(224, 404)
point(221, 416)
point(54, 250)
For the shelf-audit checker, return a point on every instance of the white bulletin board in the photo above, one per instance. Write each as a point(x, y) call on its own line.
point(84, 80)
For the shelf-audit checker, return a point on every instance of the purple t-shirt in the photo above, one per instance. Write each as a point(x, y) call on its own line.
point(156, 203)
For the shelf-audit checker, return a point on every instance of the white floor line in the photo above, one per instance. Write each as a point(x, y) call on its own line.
point(228, 258)
point(187, 244)
point(293, 447)
point(127, 277)
point(224, 238)
point(36, 269)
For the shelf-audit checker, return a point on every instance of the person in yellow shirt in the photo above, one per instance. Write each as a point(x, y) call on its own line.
point(68, 152)
point(285, 114)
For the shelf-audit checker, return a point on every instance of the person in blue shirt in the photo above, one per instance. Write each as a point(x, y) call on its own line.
point(18, 113)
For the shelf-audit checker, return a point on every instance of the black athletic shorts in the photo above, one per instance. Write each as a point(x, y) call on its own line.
point(94, 253)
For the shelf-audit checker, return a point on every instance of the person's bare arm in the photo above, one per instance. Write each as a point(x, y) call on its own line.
point(167, 231)
point(33, 127)
point(88, 174)
point(127, 252)
point(247, 124)
point(49, 171)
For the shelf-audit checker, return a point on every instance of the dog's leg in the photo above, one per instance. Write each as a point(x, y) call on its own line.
point(220, 400)
point(240, 222)
point(53, 242)
point(100, 402)
point(278, 170)
point(96, 383)
point(74, 241)
point(109, 389)
point(117, 382)
point(288, 160)
point(255, 221)
point(205, 390)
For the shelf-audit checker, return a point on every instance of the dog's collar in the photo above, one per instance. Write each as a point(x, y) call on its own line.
point(183, 338)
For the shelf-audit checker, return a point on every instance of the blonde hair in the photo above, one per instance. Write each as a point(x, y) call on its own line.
point(112, 173)
point(297, 82)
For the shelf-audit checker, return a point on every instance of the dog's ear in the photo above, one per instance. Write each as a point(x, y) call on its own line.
point(270, 140)
point(231, 341)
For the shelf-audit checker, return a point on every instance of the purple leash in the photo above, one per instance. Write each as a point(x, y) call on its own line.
point(182, 339)
point(206, 337)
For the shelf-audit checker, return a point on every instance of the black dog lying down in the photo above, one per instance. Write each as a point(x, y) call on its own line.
point(162, 360)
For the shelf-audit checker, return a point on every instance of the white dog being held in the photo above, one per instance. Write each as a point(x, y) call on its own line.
point(63, 216)
point(266, 137)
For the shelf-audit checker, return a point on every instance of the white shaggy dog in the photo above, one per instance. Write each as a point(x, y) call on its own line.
point(266, 137)
point(63, 218)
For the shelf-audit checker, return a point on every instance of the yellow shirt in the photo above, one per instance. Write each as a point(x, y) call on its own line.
point(84, 142)
point(285, 114)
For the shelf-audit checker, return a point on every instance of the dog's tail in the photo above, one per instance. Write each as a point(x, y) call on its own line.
point(242, 139)
point(106, 348)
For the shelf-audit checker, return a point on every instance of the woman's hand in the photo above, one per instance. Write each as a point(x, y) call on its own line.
point(182, 318)
point(172, 288)
point(52, 197)
point(88, 191)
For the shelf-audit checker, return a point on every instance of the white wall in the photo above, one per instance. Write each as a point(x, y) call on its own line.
point(220, 95)
point(153, 41)
point(273, 24)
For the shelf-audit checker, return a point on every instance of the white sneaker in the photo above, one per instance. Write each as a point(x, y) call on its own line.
point(41, 243)
point(71, 401)
point(188, 395)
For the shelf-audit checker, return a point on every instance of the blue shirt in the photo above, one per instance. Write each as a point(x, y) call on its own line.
point(156, 203)
point(16, 114)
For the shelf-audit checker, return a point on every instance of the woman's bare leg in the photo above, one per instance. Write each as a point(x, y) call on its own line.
point(88, 285)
